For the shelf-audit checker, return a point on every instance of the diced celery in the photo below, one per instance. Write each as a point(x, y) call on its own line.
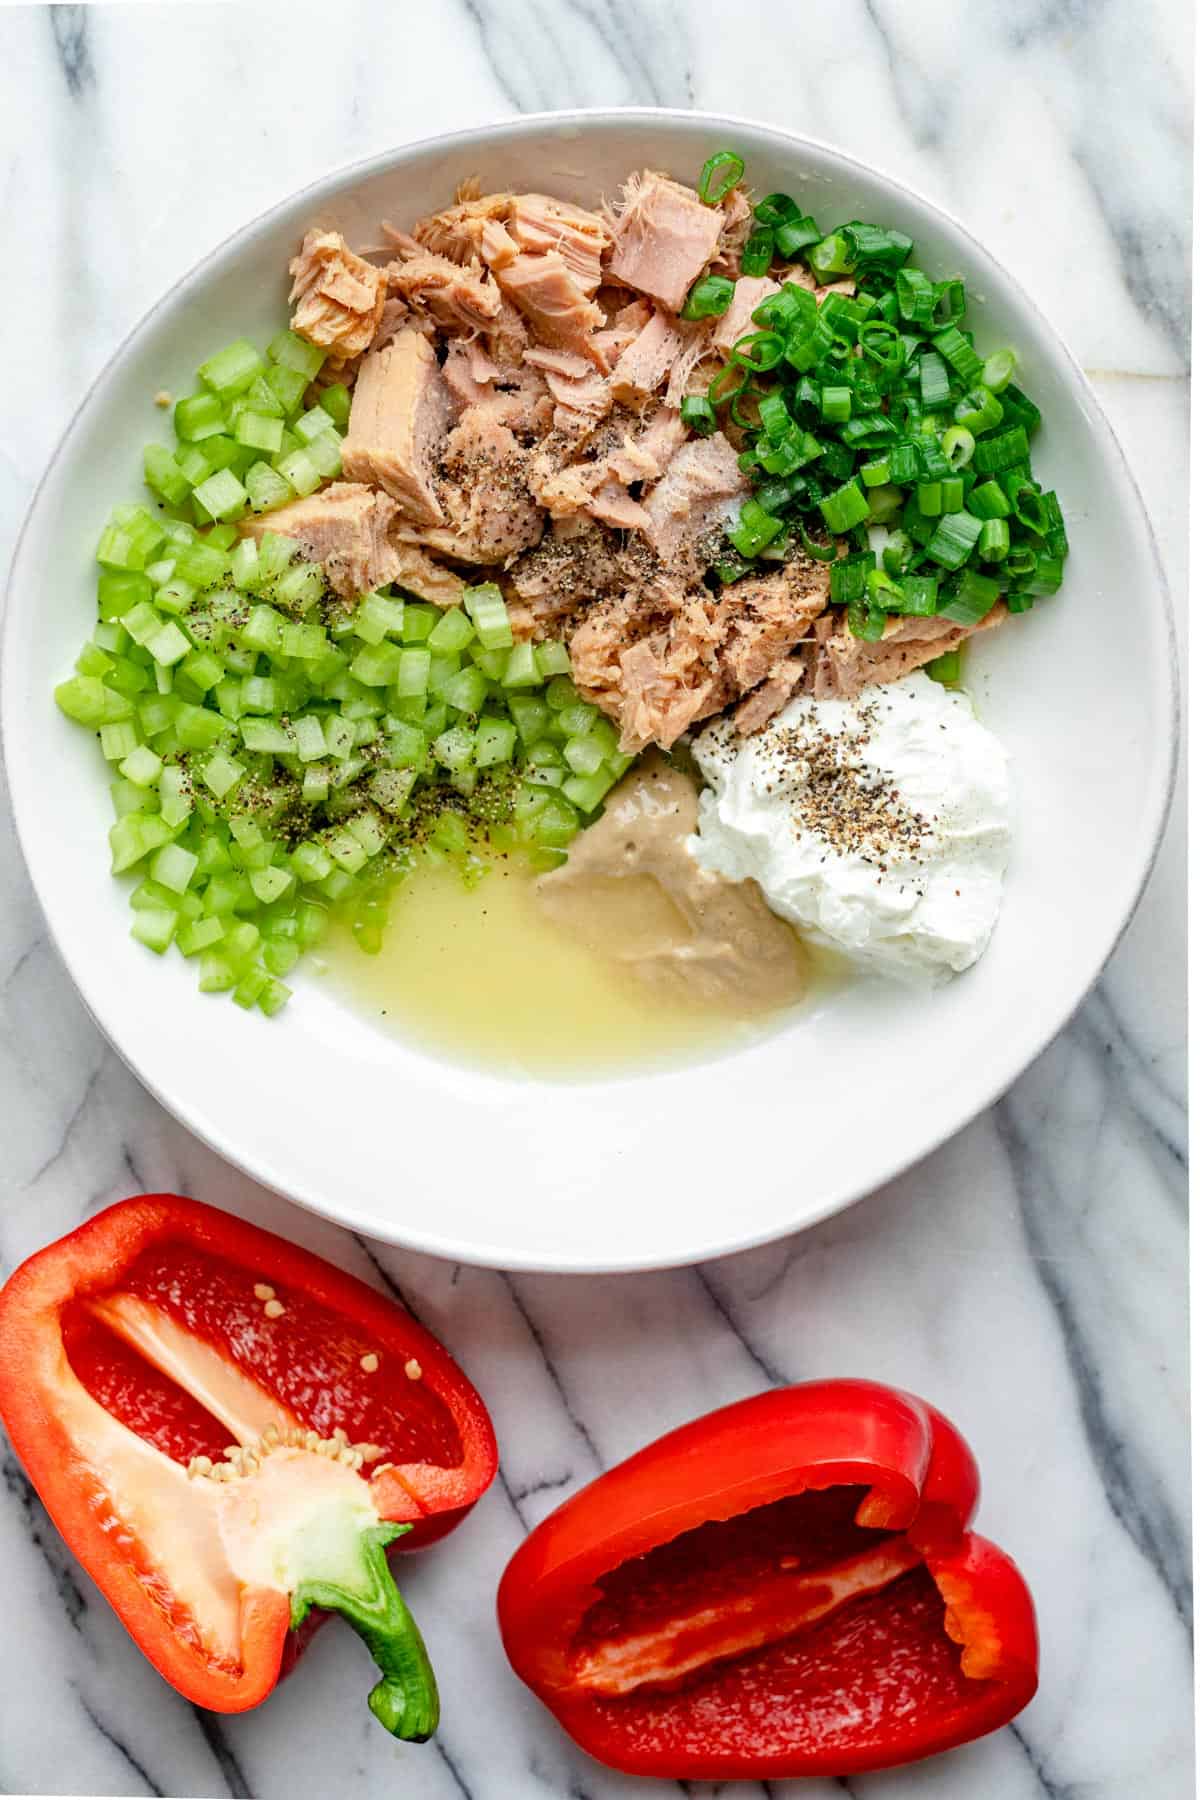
point(368, 831)
point(280, 957)
point(293, 352)
point(467, 690)
point(310, 737)
point(141, 766)
point(312, 922)
point(314, 785)
point(222, 774)
point(305, 640)
point(299, 586)
point(377, 665)
point(129, 542)
point(192, 462)
point(175, 795)
point(311, 861)
point(412, 674)
point(82, 698)
point(168, 646)
point(202, 669)
point(452, 631)
point(489, 614)
point(454, 748)
point(266, 487)
point(197, 728)
point(576, 720)
point(390, 788)
point(202, 563)
point(118, 741)
point(583, 754)
point(175, 596)
point(271, 884)
point(346, 851)
point(336, 400)
point(127, 798)
point(495, 742)
point(522, 670)
point(223, 536)
point(263, 630)
point(217, 975)
point(241, 941)
point(198, 935)
point(232, 369)
point(259, 431)
point(164, 475)
point(553, 659)
point(339, 736)
point(587, 791)
point(300, 471)
point(135, 836)
point(492, 662)
point(419, 621)
point(556, 824)
point(222, 496)
point(267, 735)
point(288, 386)
point(154, 927)
point(273, 996)
point(198, 416)
point(530, 716)
point(377, 617)
point(406, 746)
point(174, 867)
point(118, 591)
point(312, 424)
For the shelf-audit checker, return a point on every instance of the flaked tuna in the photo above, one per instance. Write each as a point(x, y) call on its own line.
point(769, 698)
point(663, 238)
point(399, 417)
point(582, 394)
point(846, 664)
point(455, 296)
point(749, 291)
point(421, 574)
point(490, 515)
point(538, 223)
point(698, 490)
point(338, 297)
point(646, 365)
point(547, 295)
point(567, 477)
point(346, 529)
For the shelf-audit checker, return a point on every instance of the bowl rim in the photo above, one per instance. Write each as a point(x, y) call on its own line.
point(837, 1198)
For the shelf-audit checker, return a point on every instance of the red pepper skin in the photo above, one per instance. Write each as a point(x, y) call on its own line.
point(920, 1480)
point(37, 1306)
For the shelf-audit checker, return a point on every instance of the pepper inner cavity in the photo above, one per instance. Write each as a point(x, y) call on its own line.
point(731, 1587)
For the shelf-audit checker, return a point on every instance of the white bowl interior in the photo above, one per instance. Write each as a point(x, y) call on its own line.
point(681, 1164)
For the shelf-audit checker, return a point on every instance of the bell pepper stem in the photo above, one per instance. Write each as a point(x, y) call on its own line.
point(405, 1701)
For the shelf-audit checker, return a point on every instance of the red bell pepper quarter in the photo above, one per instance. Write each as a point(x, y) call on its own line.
point(228, 1431)
point(785, 1587)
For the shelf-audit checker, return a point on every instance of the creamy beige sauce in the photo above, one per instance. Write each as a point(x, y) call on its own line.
point(631, 892)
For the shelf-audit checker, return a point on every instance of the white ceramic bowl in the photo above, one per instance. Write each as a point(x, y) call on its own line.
point(675, 1166)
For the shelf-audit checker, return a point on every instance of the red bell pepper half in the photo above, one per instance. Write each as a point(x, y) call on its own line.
point(785, 1587)
point(228, 1432)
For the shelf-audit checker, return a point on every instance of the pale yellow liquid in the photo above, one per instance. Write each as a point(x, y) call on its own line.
point(482, 976)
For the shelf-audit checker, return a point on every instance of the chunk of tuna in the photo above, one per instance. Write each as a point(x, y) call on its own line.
point(749, 291)
point(457, 232)
point(345, 528)
point(582, 393)
point(770, 697)
point(455, 296)
point(421, 574)
point(736, 227)
point(485, 491)
point(577, 563)
point(648, 361)
point(847, 664)
point(538, 223)
point(622, 451)
point(545, 292)
point(399, 416)
point(663, 238)
point(697, 490)
point(338, 297)
point(764, 616)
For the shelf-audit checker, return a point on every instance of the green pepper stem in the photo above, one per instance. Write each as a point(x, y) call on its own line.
point(405, 1701)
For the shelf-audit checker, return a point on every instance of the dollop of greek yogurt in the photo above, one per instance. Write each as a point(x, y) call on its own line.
point(878, 826)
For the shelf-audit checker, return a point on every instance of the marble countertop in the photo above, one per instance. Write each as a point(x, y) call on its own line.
point(1029, 1277)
